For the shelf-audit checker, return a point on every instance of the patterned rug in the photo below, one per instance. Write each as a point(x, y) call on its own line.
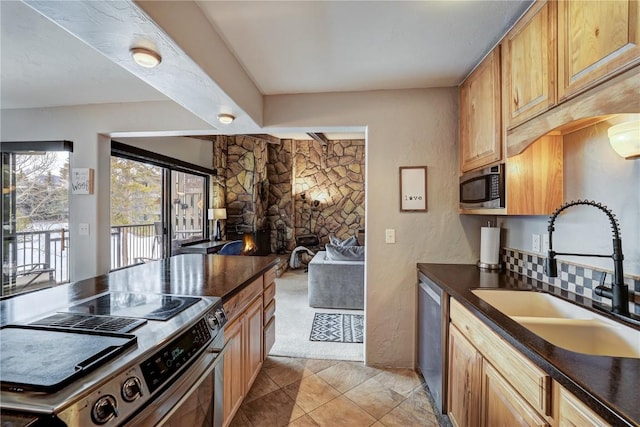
point(337, 327)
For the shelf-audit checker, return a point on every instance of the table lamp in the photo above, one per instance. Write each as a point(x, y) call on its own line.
point(217, 214)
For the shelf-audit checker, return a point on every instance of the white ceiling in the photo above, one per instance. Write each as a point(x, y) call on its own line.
point(285, 47)
point(334, 46)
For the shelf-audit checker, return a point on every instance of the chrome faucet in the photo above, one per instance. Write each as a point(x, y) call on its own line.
point(619, 291)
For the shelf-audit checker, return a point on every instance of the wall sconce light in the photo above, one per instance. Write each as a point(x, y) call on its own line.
point(225, 118)
point(625, 139)
point(144, 57)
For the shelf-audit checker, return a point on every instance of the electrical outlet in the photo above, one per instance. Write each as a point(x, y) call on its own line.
point(83, 229)
point(390, 235)
point(545, 242)
point(535, 243)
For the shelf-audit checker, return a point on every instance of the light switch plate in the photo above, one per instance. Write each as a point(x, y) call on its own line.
point(83, 229)
point(390, 235)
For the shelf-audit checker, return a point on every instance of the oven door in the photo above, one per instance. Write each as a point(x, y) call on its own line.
point(194, 399)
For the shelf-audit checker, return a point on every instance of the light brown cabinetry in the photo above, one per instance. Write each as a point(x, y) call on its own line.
point(529, 65)
point(534, 178)
point(501, 404)
point(463, 397)
point(490, 383)
point(480, 115)
point(573, 413)
point(269, 303)
point(244, 339)
point(233, 367)
point(596, 40)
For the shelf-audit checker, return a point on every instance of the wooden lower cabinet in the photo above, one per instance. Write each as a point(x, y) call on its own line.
point(465, 363)
point(491, 384)
point(243, 359)
point(573, 413)
point(233, 367)
point(253, 341)
point(502, 405)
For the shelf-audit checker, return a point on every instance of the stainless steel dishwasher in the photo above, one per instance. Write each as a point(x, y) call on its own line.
point(432, 337)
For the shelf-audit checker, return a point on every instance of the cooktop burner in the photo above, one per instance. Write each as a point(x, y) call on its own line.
point(129, 304)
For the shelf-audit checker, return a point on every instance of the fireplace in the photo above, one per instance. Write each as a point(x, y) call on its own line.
point(249, 245)
point(261, 239)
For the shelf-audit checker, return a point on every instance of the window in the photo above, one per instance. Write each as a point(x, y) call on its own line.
point(35, 215)
point(157, 204)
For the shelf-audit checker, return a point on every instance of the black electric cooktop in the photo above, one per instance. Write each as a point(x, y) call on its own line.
point(130, 304)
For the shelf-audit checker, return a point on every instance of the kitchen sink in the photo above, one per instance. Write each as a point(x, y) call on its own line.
point(564, 324)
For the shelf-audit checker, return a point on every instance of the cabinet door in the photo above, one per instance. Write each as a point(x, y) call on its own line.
point(534, 178)
point(573, 413)
point(233, 370)
point(480, 121)
point(465, 364)
point(502, 405)
point(529, 65)
point(253, 341)
point(596, 39)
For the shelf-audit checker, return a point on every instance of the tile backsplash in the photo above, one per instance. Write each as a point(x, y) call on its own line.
point(574, 278)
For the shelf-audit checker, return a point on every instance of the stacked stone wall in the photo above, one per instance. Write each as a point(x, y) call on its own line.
point(264, 183)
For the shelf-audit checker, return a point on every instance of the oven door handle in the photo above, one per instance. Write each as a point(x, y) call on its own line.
point(219, 353)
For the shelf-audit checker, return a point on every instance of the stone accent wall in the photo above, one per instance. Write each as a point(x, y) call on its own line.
point(280, 213)
point(247, 186)
point(332, 174)
point(263, 184)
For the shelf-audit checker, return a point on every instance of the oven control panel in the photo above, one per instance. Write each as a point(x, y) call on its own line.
point(162, 365)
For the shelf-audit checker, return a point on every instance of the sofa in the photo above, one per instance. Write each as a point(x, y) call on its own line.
point(336, 283)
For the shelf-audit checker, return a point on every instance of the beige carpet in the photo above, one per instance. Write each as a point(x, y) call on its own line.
point(294, 318)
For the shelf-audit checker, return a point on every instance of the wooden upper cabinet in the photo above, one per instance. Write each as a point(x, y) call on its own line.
point(480, 115)
point(529, 65)
point(596, 40)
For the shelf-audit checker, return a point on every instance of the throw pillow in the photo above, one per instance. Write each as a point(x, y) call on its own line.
point(345, 253)
point(336, 241)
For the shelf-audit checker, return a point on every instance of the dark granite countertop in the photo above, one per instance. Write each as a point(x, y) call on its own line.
point(189, 274)
point(608, 385)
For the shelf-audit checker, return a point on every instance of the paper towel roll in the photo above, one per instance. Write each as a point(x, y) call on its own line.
point(490, 245)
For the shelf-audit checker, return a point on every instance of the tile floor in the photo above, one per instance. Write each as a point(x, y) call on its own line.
point(312, 392)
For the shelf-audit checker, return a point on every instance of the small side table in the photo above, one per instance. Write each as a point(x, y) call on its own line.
point(208, 247)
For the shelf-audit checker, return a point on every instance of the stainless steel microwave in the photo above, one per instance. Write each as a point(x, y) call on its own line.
point(483, 189)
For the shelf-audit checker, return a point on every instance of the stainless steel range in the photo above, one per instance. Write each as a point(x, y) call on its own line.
point(117, 358)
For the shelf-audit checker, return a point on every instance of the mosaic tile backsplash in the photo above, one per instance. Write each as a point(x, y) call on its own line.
point(573, 278)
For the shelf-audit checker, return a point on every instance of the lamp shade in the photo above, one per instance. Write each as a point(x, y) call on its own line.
point(220, 213)
point(625, 139)
point(210, 214)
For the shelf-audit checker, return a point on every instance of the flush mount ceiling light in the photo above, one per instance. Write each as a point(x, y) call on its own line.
point(144, 57)
point(625, 139)
point(225, 118)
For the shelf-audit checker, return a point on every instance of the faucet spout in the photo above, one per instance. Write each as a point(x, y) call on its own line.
point(619, 291)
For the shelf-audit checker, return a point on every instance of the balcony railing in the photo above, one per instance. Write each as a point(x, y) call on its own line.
point(133, 244)
point(49, 250)
point(36, 259)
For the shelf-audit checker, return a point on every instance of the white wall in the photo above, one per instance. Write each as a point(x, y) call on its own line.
point(89, 128)
point(592, 170)
point(404, 128)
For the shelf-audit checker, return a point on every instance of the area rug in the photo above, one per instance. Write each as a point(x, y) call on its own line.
point(337, 327)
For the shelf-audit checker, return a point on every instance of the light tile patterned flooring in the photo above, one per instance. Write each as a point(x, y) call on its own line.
point(311, 392)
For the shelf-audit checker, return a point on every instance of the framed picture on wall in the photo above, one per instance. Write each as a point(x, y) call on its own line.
point(413, 189)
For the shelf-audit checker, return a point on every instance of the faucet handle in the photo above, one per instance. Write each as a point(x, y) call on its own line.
point(551, 265)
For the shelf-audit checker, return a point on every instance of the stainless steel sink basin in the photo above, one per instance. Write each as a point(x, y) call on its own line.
point(564, 324)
